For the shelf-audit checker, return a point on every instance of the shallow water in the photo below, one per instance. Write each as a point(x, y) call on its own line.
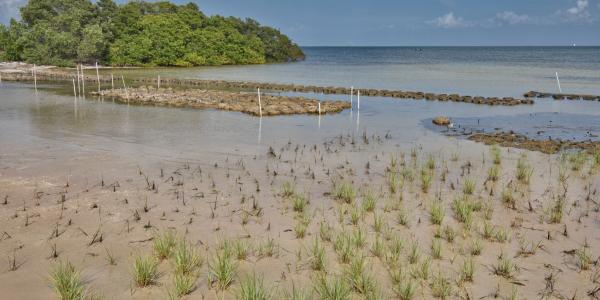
point(31, 120)
point(485, 71)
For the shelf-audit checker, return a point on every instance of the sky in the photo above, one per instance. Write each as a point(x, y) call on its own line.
point(411, 23)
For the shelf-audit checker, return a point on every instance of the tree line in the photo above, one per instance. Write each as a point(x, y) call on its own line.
point(138, 33)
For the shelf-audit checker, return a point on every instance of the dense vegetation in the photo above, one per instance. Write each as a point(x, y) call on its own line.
point(66, 32)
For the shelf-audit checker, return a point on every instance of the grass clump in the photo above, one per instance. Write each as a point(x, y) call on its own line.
point(584, 260)
point(318, 259)
point(360, 281)
point(467, 270)
point(222, 270)
point(183, 285)
point(288, 189)
point(185, 259)
point(436, 212)
point(504, 267)
point(468, 186)
point(436, 249)
point(493, 173)
point(145, 271)
point(253, 288)
point(163, 244)
point(524, 170)
point(496, 155)
point(556, 211)
point(441, 287)
point(334, 288)
point(463, 208)
point(299, 203)
point(426, 178)
point(344, 191)
point(369, 202)
point(67, 282)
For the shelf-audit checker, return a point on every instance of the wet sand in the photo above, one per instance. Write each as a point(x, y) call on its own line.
point(92, 205)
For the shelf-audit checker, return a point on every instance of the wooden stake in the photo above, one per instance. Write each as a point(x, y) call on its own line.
point(259, 104)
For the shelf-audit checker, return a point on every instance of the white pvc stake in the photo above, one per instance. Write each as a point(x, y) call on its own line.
point(98, 76)
point(558, 82)
point(358, 101)
point(34, 77)
point(158, 81)
point(351, 96)
point(126, 93)
point(319, 108)
point(112, 81)
point(78, 81)
point(74, 89)
point(82, 80)
point(259, 104)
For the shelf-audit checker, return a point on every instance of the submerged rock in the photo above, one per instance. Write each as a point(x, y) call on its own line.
point(441, 121)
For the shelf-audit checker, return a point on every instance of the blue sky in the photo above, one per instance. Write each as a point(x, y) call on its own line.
point(422, 22)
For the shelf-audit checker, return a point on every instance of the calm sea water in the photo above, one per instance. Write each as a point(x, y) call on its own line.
point(486, 71)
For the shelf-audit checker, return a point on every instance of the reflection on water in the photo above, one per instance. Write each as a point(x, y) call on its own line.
point(28, 118)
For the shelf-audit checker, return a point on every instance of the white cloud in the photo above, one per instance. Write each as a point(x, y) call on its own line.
point(512, 18)
point(449, 21)
point(579, 13)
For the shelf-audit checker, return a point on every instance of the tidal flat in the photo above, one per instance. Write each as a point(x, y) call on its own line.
point(105, 197)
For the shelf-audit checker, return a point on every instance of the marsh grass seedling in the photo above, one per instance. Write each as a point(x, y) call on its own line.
point(441, 287)
point(163, 244)
point(467, 270)
point(318, 259)
point(288, 189)
point(524, 170)
point(222, 269)
point(426, 178)
point(334, 288)
point(496, 155)
point(476, 247)
point(369, 201)
point(360, 281)
point(405, 289)
point(436, 212)
point(182, 285)
point(344, 191)
point(253, 288)
point(493, 173)
point(504, 267)
point(436, 249)
point(299, 203)
point(185, 258)
point(145, 271)
point(468, 186)
point(67, 282)
point(414, 254)
point(584, 260)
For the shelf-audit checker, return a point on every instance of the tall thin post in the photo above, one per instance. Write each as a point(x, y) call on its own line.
point(351, 96)
point(358, 101)
point(158, 82)
point(319, 108)
point(112, 81)
point(98, 76)
point(78, 81)
point(259, 104)
point(83, 80)
point(34, 77)
point(558, 82)
point(74, 89)
point(125, 87)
